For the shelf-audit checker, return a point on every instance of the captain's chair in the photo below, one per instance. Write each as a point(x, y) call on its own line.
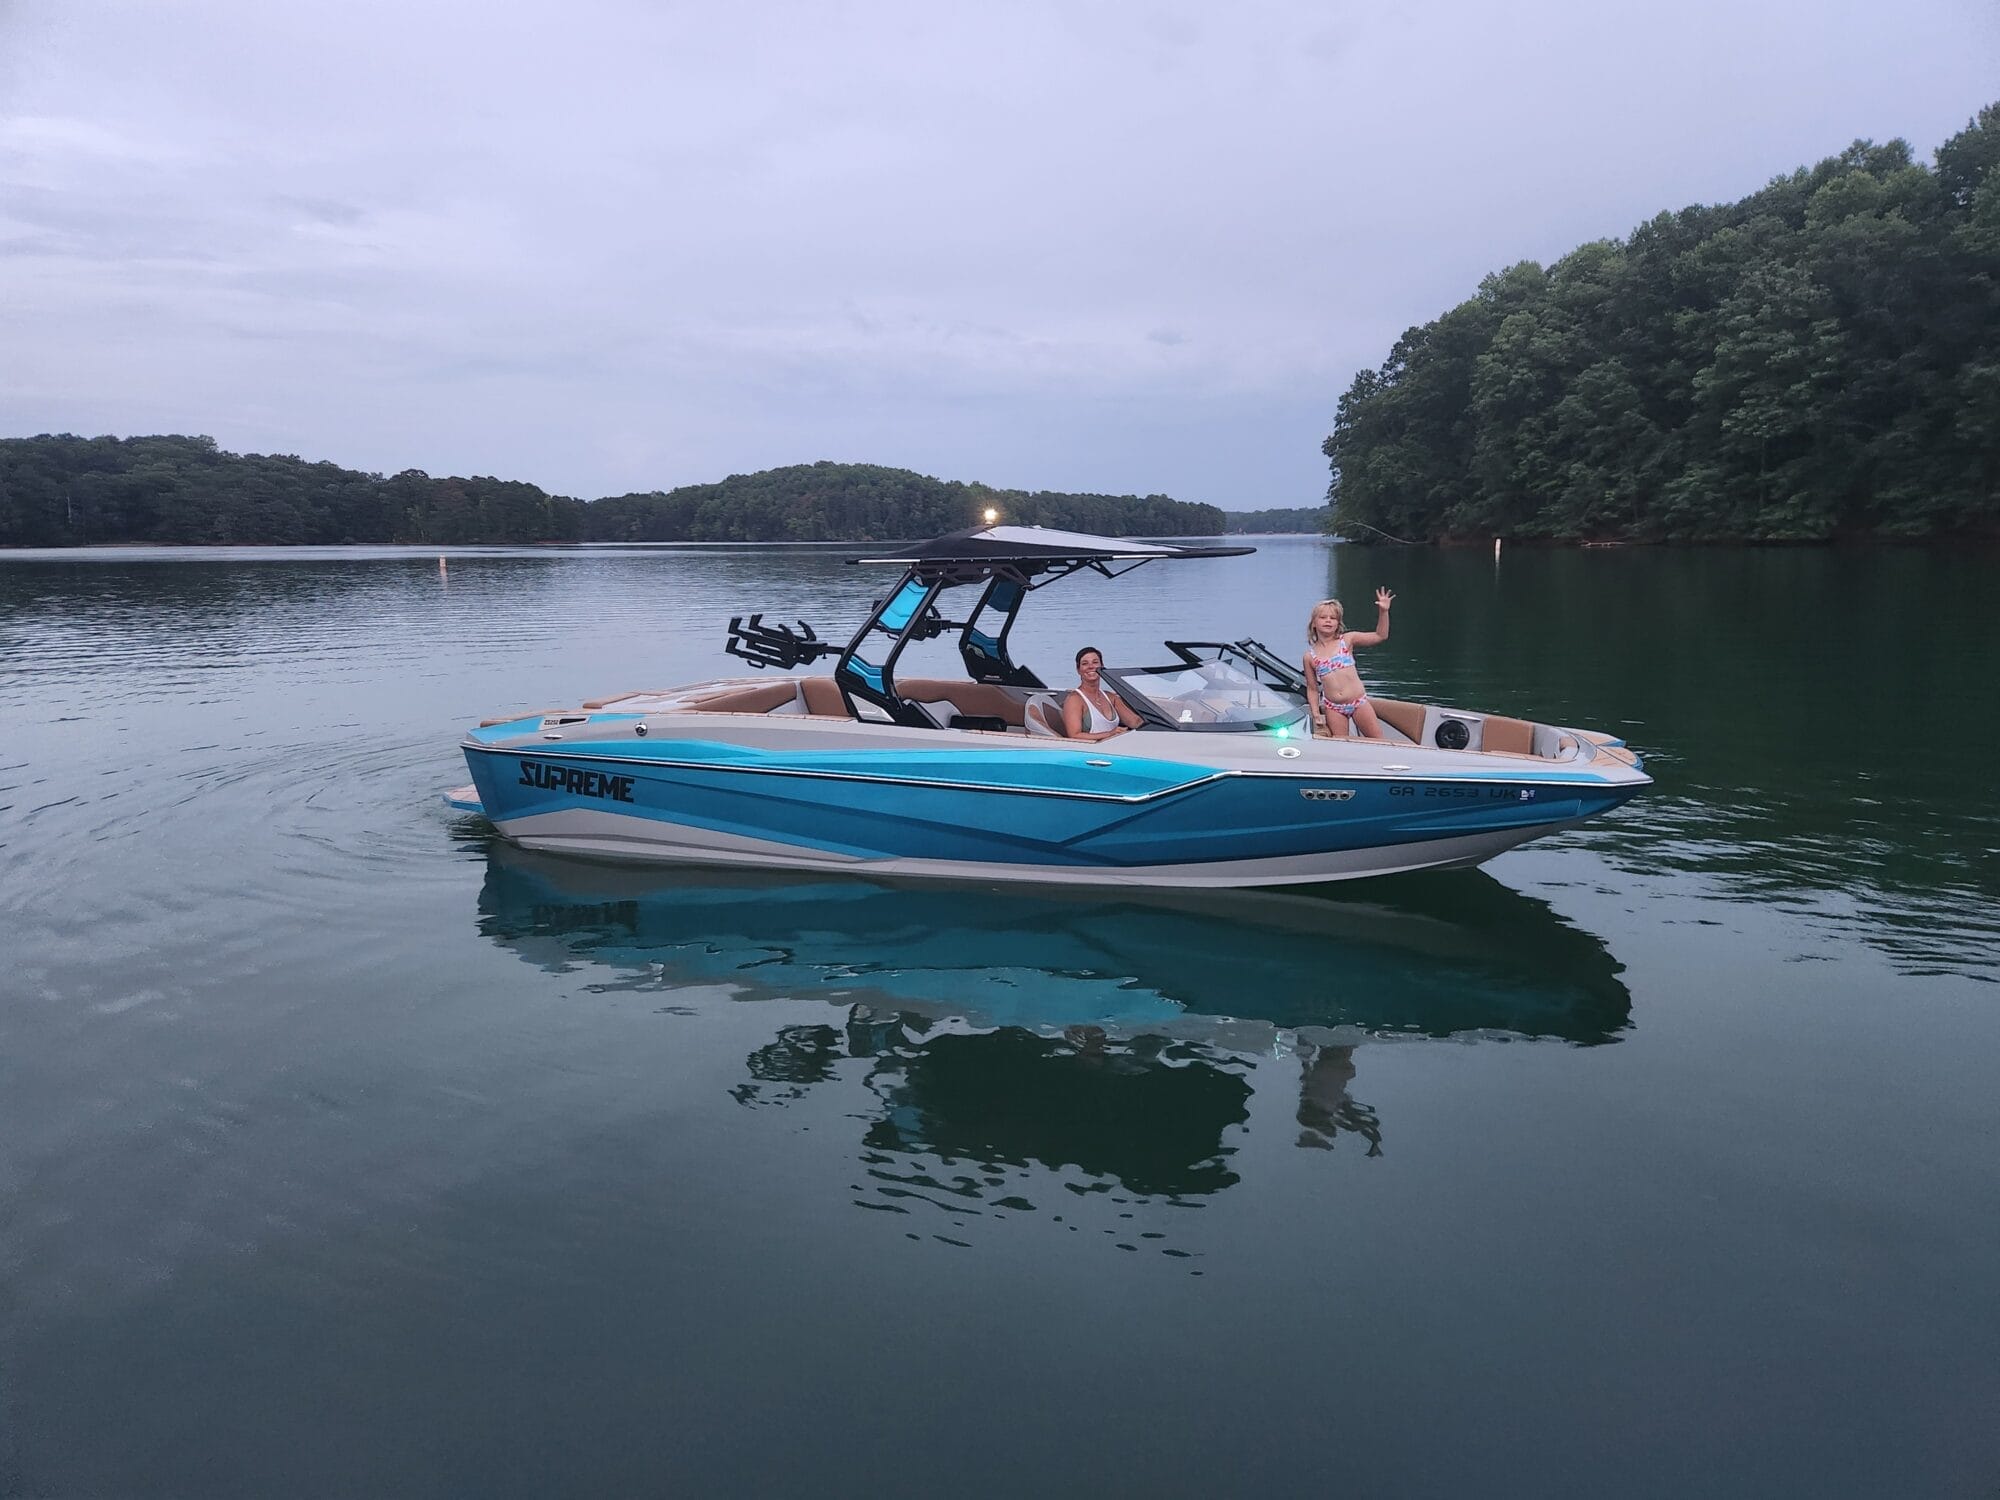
point(1043, 716)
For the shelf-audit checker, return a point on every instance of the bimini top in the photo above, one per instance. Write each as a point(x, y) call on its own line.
point(1034, 549)
point(1003, 563)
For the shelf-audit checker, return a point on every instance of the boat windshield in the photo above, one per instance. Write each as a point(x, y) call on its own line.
point(1211, 695)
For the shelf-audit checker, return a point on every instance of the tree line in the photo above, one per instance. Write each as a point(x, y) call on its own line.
point(1820, 359)
point(829, 502)
point(67, 491)
point(1309, 519)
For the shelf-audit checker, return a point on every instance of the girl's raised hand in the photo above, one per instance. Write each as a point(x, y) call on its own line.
point(1383, 598)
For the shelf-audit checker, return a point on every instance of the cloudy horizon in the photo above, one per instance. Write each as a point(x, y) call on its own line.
point(1134, 248)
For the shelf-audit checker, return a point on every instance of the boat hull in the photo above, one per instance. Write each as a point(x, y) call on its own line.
point(1168, 810)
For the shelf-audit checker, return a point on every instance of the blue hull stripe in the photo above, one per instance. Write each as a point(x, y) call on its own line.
point(1055, 772)
point(1202, 816)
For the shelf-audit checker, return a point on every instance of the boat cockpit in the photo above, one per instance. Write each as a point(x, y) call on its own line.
point(1210, 698)
point(1209, 686)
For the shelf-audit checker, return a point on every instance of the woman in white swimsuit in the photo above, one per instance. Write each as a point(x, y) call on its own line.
point(1093, 711)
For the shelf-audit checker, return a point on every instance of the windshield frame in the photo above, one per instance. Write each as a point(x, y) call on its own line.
point(1285, 711)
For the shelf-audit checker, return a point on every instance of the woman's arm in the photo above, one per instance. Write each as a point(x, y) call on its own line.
point(1073, 715)
point(1126, 716)
point(1375, 637)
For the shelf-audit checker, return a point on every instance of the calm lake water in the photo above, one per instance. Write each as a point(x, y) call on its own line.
point(343, 1151)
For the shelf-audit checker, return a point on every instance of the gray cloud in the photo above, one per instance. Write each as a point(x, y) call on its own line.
point(630, 245)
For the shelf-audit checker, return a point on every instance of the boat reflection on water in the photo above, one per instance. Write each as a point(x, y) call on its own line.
point(1146, 1113)
point(1111, 1038)
point(1435, 956)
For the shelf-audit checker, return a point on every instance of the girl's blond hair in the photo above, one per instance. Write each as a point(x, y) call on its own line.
point(1339, 618)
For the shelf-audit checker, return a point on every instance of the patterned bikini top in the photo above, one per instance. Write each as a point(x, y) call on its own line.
point(1342, 655)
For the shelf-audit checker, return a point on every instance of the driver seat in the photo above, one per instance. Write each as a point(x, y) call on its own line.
point(1043, 716)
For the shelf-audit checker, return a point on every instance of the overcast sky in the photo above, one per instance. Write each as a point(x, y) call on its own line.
point(628, 244)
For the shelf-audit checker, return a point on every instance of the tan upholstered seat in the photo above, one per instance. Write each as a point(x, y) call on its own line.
point(822, 696)
point(978, 699)
point(760, 699)
point(1507, 736)
point(1406, 719)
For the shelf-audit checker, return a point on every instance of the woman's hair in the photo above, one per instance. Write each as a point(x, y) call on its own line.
point(1339, 619)
point(1088, 651)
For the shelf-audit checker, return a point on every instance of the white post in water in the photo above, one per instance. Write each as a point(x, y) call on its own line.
point(1496, 552)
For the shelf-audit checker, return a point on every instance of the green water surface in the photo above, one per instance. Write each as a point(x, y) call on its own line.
point(345, 1151)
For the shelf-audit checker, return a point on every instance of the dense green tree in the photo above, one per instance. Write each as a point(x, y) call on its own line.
point(1306, 519)
point(1819, 359)
point(863, 502)
point(62, 491)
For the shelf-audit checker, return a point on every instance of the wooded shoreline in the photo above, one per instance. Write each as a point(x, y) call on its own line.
point(1818, 361)
point(67, 491)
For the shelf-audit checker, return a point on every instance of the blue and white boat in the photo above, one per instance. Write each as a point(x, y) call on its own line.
point(872, 770)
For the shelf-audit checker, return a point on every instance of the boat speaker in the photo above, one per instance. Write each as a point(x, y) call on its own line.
point(1452, 734)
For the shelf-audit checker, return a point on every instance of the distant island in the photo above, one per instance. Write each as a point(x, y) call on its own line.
point(1316, 518)
point(1819, 360)
point(66, 491)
